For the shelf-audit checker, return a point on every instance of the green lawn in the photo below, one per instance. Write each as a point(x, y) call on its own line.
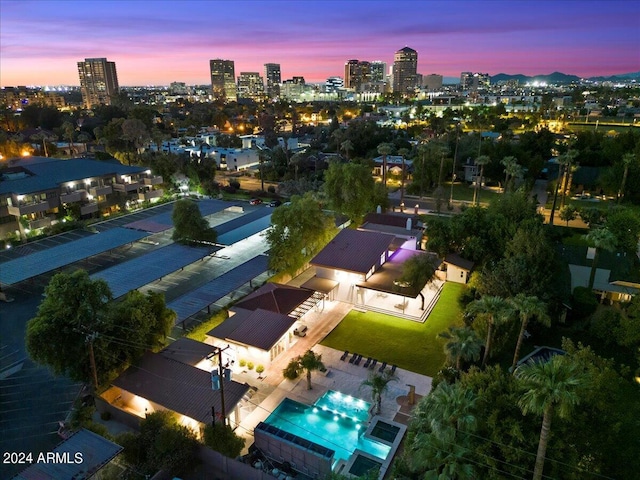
point(407, 344)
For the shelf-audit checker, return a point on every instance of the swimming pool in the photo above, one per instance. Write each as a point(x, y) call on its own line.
point(336, 422)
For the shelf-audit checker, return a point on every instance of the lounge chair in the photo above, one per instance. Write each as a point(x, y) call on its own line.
point(344, 355)
point(373, 364)
point(357, 362)
point(366, 364)
point(353, 357)
point(382, 367)
point(393, 369)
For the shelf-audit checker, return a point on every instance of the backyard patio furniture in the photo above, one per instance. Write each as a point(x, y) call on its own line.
point(344, 355)
point(353, 358)
point(382, 367)
point(366, 364)
point(393, 369)
point(357, 362)
point(373, 364)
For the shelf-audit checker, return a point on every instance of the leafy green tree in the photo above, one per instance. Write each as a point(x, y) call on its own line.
point(350, 189)
point(462, 344)
point(161, 444)
point(496, 311)
point(223, 439)
point(564, 162)
point(73, 308)
point(528, 307)
point(624, 223)
point(298, 232)
point(549, 388)
point(592, 216)
point(511, 169)
point(307, 363)
point(77, 314)
point(568, 213)
point(600, 239)
point(417, 271)
point(189, 224)
point(379, 384)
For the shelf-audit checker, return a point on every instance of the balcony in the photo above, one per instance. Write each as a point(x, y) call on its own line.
point(40, 223)
point(126, 187)
point(100, 191)
point(26, 209)
point(89, 208)
point(73, 197)
point(150, 194)
point(155, 180)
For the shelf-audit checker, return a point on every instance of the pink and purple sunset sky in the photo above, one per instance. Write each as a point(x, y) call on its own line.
point(161, 41)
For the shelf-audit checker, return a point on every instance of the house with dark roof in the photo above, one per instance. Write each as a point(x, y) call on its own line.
point(261, 326)
point(39, 188)
point(364, 268)
point(169, 380)
point(407, 228)
point(456, 268)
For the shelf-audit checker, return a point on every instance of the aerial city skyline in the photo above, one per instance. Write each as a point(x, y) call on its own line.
point(40, 46)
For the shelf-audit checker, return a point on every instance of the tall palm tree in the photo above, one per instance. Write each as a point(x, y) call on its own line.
point(482, 160)
point(463, 344)
point(627, 160)
point(379, 384)
point(403, 152)
point(601, 239)
point(550, 388)
point(441, 421)
point(509, 164)
point(262, 156)
point(307, 363)
point(384, 149)
point(496, 310)
point(564, 161)
point(44, 137)
point(69, 131)
point(527, 307)
point(347, 146)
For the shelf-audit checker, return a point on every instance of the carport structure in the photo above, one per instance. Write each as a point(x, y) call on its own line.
point(45, 261)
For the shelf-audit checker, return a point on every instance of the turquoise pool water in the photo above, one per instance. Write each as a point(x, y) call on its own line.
point(332, 428)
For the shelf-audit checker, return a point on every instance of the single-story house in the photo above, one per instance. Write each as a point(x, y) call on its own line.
point(261, 326)
point(363, 268)
point(457, 269)
point(408, 229)
point(161, 381)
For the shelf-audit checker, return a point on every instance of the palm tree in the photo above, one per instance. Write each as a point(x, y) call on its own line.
point(627, 160)
point(527, 307)
point(262, 155)
point(307, 363)
point(379, 384)
point(510, 169)
point(496, 310)
point(564, 161)
point(463, 344)
point(441, 421)
point(347, 146)
point(44, 137)
point(83, 138)
point(601, 239)
point(550, 387)
point(384, 149)
point(69, 131)
point(482, 160)
point(403, 152)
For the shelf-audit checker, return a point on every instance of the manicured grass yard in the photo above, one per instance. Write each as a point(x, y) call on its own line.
point(410, 345)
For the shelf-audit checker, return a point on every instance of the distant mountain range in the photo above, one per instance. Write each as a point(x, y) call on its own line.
point(558, 77)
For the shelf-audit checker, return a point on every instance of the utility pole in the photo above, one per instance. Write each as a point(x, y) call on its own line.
point(89, 339)
point(455, 156)
point(221, 370)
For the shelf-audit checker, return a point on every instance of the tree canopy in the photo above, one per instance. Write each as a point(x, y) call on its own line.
point(299, 230)
point(78, 310)
point(189, 225)
point(350, 189)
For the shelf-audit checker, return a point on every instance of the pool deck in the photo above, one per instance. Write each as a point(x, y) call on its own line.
point(342, 377)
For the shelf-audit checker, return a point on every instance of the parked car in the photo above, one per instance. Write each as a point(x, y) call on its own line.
point(275, 203)
point(255, 201)
point(301, 331)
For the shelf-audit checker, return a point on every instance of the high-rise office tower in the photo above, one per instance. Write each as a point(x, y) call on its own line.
point(356, 74)
point(273, 78)
point(378, 71)
point(432, 81)
point(98, 81)
point(223, 79)
point(405, 68)
point(250, 85)
point(473, 81)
